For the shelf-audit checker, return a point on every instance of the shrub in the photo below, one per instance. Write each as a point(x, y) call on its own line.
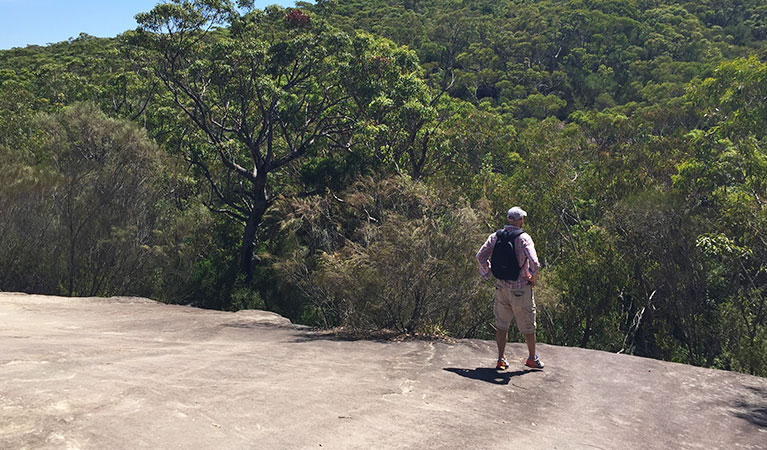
point(390, 254)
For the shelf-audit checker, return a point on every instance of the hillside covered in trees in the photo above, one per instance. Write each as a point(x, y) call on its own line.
point(341, 162)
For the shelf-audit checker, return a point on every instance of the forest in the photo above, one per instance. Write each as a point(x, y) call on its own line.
point(341, 162)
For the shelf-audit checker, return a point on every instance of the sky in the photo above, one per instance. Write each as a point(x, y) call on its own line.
point(42, 22)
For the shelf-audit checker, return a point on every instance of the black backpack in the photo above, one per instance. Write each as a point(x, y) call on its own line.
point(503, 262)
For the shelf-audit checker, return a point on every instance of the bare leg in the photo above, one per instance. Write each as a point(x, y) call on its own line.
point(500, 339)
point(530, 340)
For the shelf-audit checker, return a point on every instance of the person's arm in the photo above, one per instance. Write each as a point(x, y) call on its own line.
point(531, 266)
point(483, 256)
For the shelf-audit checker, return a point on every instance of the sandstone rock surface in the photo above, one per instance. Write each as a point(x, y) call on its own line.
point(129, 373)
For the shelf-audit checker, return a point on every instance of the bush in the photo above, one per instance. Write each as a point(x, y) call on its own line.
point(84, 214)
point(390, 254)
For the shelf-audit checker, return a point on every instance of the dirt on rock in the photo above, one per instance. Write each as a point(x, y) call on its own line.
point(131, 373)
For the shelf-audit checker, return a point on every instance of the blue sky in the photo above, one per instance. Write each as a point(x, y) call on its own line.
point(41, 22)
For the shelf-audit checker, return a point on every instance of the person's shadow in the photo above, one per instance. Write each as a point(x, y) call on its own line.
point(486, 374)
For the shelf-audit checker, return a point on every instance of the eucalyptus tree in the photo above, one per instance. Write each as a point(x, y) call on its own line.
point(83, 205)
point(266, 90)
point(725, 184)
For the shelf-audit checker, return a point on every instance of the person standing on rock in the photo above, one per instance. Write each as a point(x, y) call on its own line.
point(509, 254)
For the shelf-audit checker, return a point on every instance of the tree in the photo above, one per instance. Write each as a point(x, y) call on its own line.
point(724, 183)
point(265, 93)
point(389, 254)
point(105, 202)
point(85, 209)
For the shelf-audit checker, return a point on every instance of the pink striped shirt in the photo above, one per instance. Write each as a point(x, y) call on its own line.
point(525, 249)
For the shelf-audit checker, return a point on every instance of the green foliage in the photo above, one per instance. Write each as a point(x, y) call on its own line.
point(525, 55)
point(393, 263)
point(86, 204)
point(724, 181)
point(587, 312)
point(265, 94)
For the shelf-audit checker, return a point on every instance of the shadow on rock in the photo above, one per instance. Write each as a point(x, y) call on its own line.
point(486, 374)
point(318, 334)
point(754, 411)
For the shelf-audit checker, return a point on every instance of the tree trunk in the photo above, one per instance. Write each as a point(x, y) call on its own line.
point(250, 234)
point(586, 330)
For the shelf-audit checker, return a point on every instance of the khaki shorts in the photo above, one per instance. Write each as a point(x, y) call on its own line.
point(514, 303)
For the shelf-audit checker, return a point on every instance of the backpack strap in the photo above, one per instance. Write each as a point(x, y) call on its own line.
point(508, 236)
point(514, 237)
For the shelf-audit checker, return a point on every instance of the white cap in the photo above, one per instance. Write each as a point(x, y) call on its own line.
point(516, 213)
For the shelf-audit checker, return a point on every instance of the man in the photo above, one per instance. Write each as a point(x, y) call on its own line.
point(513, 296)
